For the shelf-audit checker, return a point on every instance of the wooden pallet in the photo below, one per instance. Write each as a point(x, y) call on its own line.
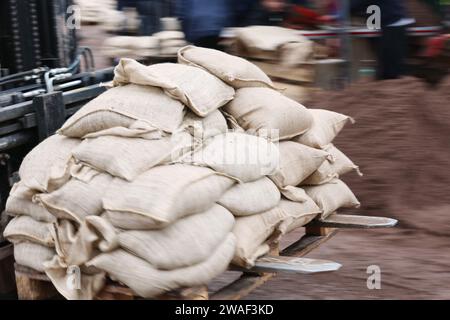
point(33, 285)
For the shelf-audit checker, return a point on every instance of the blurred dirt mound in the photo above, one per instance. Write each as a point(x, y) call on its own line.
point(401, 141)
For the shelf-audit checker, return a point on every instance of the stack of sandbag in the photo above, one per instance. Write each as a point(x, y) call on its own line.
point(45, 169)
point(164, 43)
point(93, 12)
point(131, 46)
point(155, 191)
point(280, 199)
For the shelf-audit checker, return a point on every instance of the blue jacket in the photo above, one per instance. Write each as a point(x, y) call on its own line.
point(202, 18)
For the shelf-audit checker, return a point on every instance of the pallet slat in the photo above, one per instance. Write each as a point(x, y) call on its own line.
point(356, 222)
point(294, 265)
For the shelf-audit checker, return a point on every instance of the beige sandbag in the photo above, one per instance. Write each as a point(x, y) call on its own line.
point(20, 202)
point(203, 128)
point(255, 232)
point(267, 38)
point(169, 35)
point(174, 43)
point(249, 198)
point(46, 167)
point(32, 255)
point(138, 108)
point(297, 162)
point(266, 112)
point(162, 195)
point(147, 281)
point(25, 228)
point(196, 88)
point(235, 71)
point(300, 202)
point(331, 196)
point(77, 199)
point(124, 157)
point(335, 167)
point(326, 126)
point(184, 243)
point(239, 155)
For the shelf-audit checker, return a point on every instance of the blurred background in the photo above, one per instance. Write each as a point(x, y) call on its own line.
point(390, 72)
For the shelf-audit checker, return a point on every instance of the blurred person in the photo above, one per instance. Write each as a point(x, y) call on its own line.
point(150, 12)
point(392, 46)
point(203, 20)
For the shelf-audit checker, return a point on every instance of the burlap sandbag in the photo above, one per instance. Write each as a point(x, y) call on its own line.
point(331, 196)
point(139, 109)
point(235, 71)
point(20, 202)
point(124, 157)
point(77, 199)
point(297, 162)
point(266, 112)
point(255, 232)
point(326, 126)
point(32, 255)
point(202, 128)
point(147, 281)
point(46, 167)
point(162, 195)
point(335, 167)
point(242, 156)
point(169, 35)
point(25, 228)
point(184, 243)
point(199, 90)
point(267, 38)
point(299, 200)
point(249, 198)
point(74, 248)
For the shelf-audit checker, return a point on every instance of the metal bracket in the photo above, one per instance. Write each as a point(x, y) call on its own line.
point(50, 113)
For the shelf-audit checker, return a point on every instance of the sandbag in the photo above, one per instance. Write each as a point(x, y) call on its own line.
point(335, 167)
point(124, 157)
point(239, 155)
point(167, 35)
point(46, 167)
point(203, 128)
point(20, 202)
point(326, 126)
point(266, 112)
point(249, 198)
point(331, 196)
point(186, 242)
point(299, 202)
point(77, 199)
point(297, 162)
point(25, 228)
point(255, 232)
point(147, 281)
point(235, 71)
point(140, 109)
point(32, 255)
point(196, 88)
point(162, 195)
point(267, 38)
